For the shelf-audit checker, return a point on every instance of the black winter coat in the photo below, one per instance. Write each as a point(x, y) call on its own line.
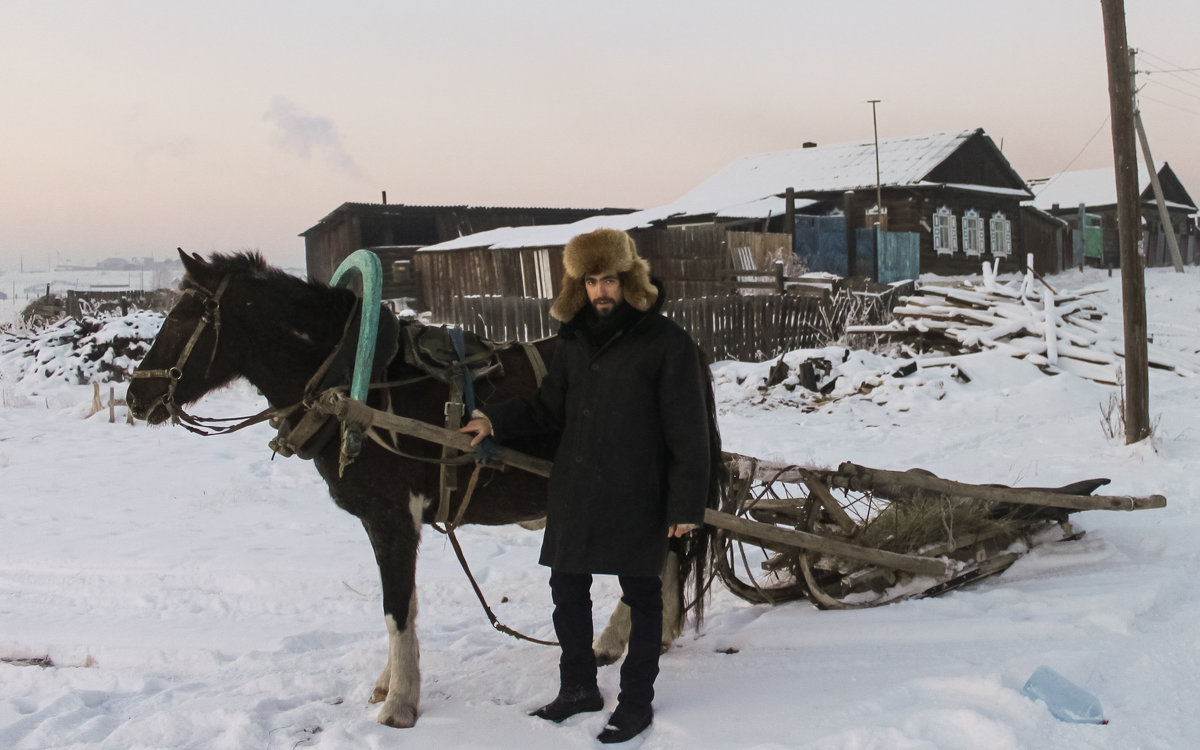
point(633, 458)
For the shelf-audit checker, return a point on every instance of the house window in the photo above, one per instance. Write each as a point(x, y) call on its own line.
point(1001, 230)
point(401, 271)
point(972, 233)
point(945, 233)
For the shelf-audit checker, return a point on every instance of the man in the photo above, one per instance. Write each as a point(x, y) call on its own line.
point(628, 393)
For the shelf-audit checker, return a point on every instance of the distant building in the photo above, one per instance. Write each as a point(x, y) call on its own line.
point(951, 201)
point(1087, 200)
point(394, 232)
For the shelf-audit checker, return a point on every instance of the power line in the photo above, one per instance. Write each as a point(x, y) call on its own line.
point(1065, 169)
point(1172, 106)
point(1151, 72)
point(1172, 88)
point(1174, 70)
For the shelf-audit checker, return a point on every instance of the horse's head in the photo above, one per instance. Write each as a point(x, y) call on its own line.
point(186, 360)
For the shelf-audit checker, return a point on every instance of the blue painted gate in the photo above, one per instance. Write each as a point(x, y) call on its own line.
point(820, 242)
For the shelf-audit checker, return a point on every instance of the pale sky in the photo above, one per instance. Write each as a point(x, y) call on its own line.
point(131, 127)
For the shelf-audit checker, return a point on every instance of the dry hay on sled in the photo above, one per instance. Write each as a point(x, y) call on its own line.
point(859, 537)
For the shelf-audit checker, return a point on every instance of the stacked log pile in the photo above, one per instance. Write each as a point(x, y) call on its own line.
point(1057, 331)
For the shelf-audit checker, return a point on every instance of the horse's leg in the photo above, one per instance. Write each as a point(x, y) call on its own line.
point(612, 642)
point(395, 540)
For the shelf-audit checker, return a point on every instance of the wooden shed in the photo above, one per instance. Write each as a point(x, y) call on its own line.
point(394, 232)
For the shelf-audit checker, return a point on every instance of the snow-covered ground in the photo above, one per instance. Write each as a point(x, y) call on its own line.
point(193, 593)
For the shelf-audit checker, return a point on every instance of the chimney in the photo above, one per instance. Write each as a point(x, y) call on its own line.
point(385, 197)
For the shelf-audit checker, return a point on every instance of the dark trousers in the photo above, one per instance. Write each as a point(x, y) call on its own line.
point(572, 595)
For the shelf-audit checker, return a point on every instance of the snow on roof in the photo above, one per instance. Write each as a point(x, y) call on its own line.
point(751, 187)
point(1091, 187)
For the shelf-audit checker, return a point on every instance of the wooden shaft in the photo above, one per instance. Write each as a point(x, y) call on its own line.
point(864, 478)
point(442, 436)
point(815, 542)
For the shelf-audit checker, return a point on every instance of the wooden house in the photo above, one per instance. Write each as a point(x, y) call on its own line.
point(953, 194)
point(394, 232)
point(1087, 200)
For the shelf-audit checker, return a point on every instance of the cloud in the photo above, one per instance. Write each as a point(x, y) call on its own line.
point(306, 135)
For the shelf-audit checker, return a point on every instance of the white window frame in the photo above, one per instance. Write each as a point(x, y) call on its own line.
point(972, 224)
point(1001, 231)
point(945, 232)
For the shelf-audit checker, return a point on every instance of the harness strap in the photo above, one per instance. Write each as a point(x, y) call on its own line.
point(462, 560)
point(212, 314)
point(535, 361)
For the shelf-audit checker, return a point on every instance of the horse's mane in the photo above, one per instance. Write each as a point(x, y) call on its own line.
point(283, 299)
point(250, 264)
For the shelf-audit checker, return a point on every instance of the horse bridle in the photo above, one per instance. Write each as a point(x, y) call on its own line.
point(211, 302)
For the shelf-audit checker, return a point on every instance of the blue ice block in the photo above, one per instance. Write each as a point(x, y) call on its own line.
point(1066, 700)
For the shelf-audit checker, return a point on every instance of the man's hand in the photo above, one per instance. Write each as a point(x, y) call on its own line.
point(680, 529)
point(480, 426)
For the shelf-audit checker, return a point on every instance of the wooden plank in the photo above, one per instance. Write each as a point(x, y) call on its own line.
point(862, 477)
point(817, 543)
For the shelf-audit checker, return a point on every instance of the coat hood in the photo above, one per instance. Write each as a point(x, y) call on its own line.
point(601, 251)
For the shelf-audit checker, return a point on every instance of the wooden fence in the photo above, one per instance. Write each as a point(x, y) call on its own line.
point(745, 328)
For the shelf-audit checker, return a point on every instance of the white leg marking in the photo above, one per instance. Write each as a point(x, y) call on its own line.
point(612, 642)
point(385, 678)
point(416, 506)
point(404, 683)
point(399, 687)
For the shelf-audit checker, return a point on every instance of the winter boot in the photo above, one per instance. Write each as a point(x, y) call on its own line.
point(625, 724)
point(570, 701)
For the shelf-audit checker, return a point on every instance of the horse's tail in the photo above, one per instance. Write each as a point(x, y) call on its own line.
point(696, 550)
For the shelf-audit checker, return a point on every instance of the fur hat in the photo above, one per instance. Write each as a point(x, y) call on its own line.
point(602, 251)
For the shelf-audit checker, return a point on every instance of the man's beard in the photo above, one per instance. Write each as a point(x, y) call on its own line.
point(612, 306)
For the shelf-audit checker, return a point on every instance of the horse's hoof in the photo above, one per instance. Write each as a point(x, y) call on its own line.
point(379, 695)
point(399, 718)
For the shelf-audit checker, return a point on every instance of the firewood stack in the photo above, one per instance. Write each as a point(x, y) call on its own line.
point(1057, 331)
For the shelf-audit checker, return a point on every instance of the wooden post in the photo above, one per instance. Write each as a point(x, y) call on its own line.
point(1079, 243)
point(789, 216)
point(851, 236)
point(1163, 217)
point(1133, 282)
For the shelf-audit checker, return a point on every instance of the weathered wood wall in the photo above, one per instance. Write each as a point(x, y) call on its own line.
point(745, 328)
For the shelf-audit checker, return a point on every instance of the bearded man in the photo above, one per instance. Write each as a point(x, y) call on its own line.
point(629, 395)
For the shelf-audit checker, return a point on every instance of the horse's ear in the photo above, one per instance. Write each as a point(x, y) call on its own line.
point(194, 265)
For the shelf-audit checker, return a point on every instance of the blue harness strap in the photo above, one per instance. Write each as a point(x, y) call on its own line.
point(487, 448)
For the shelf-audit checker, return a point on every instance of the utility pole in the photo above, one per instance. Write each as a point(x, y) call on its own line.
point(1133, 282)
point(1164, 218)
point(878, 192)
point(878, 186)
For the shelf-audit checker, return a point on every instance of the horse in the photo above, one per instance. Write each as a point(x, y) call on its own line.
point(241, 318)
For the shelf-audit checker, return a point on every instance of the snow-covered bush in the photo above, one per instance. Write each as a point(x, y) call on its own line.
point(78, 352)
